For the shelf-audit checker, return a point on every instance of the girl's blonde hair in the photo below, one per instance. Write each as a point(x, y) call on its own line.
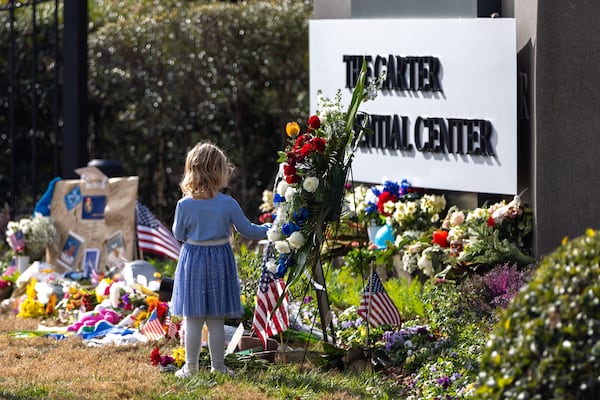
point(207, 170)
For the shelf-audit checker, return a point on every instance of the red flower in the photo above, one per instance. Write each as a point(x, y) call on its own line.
point(291, 179)
point(265, 217)
point(384, 198)
point(314, 123)
point(306, 149)
point(289, 169)
point(155, 356)
point(319, 144)
point(490, 221)
point(300, 140)
point(440, 238)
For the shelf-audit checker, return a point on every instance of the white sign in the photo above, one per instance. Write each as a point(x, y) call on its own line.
point(448, 117)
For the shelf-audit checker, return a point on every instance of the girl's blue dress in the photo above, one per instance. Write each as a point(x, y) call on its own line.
point(206, 282)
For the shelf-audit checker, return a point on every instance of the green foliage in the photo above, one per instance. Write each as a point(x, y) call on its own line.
point(249, 263)
point(547, 343)
point(344, 287)
point(164, 75)
point(490, 249)
point(407, 296)
point(165, 267)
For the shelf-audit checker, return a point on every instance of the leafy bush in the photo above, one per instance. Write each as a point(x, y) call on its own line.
point(165, 74)
point(547, 344)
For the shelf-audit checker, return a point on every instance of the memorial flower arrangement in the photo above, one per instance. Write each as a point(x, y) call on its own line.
point(313, 170)
point(374, 204)
point(168, 362)
point(425, 244)
point(31, 236)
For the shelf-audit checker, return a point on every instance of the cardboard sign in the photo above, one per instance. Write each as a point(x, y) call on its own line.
point(94, 215)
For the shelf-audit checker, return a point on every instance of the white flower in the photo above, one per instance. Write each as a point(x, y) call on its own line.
point(389, 207)
point(282, 247)
point(282, 187)
point(414, 248)
point(271, 265)
point(455, 234)
point(408, 344)
point(283, 212)
point(274, 234)
point(425, 265)
point(478, 213)
point(311, 184)
point(289, 193)
point(409, 263)
point(457, 218)
point(296, 240)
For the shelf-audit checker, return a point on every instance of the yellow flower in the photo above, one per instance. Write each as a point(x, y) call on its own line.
point(292, 129)
point(30, 308)
point(30, 290)
point(564, 240)
point(179, 356)
point(590, 232)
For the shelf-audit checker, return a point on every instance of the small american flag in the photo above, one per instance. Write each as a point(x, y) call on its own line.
point(17, 241)
point(173, 327)
point(376, 307)
point(268, 321)
point(153, 329)
point(153, 236)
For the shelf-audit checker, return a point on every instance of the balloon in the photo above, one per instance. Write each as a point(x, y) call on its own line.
point(383, 235)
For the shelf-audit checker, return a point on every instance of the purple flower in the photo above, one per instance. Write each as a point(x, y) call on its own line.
point(307, 299)
point(166, 360)
point(347, 324)
point(444, 382)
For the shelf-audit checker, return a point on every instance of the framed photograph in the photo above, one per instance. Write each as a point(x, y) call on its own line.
point(90, 261)
point(115, 249)
point(70, 250)
point(93, 207)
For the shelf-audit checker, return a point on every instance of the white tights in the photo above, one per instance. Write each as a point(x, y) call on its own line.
point(216, 342)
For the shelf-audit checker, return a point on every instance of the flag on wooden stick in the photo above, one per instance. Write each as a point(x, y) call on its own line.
point(268, 320)
point(153, 236)
point(376, 307)
point(153, 328)
point(17, 241)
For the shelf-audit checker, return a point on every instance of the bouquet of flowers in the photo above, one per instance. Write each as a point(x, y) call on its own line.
point(313, 171)
point(31, 236)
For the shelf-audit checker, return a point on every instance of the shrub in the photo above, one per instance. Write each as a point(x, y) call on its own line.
point(546, 345)
point(165, 74)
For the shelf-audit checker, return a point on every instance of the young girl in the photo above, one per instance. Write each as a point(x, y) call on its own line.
point(206, 287)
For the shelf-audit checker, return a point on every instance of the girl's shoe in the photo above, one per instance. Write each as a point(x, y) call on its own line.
point(184, 372)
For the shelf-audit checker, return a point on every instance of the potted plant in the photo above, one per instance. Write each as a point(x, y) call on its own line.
point(29, 238)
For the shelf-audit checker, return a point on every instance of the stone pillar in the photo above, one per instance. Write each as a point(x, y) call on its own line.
point(567, 122)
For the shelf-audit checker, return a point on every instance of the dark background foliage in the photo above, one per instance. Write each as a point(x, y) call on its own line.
point(165, 74)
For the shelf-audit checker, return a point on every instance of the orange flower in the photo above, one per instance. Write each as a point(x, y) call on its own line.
point(292, 129)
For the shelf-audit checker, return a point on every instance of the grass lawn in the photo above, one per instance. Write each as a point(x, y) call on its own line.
point(47, 368)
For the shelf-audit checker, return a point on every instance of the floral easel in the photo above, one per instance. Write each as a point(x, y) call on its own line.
point(308, 196)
